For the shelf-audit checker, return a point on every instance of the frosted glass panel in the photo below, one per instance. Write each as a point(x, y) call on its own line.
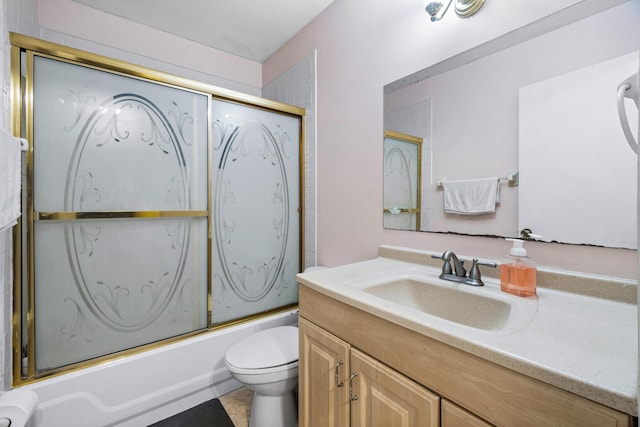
point(154, 206)
point(109, 143)
point(256, 254)
point(117, 143)
point(109, 285)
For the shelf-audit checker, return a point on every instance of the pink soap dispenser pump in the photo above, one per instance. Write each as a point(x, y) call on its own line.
point(518, 271)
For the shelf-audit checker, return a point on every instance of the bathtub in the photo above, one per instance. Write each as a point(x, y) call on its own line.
point(144, 388)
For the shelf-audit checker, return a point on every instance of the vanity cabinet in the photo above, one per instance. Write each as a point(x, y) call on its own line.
point(342, 386)
point(398, 368)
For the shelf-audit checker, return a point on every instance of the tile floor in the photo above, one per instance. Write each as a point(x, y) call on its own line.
point(238, 406)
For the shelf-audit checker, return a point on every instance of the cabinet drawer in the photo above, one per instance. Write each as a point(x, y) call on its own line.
point(454, 416)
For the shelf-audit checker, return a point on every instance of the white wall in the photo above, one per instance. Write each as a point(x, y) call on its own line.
point(581, 208)
point(79, 26)
point(361, 46)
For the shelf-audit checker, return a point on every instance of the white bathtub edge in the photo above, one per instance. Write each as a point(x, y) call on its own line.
point(149, 386)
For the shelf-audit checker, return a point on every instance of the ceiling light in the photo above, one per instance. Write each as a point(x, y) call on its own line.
point(464, 8)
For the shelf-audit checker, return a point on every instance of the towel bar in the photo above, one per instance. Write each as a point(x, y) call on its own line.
point(513, 179)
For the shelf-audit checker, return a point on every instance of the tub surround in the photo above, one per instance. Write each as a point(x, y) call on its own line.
point(581, 339)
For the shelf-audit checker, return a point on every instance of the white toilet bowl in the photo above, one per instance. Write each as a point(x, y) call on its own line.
point(267, 363)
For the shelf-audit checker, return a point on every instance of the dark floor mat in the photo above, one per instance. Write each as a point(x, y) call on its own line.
point(209, 413)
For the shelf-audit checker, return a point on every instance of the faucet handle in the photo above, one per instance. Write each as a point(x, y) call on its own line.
point(475, 271)
point(446, 266)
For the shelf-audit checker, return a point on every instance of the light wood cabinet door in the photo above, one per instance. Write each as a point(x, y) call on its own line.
point(382, 397)
point(323, 378)
point(454, 416)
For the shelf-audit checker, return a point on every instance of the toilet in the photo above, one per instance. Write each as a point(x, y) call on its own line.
point(267, 363)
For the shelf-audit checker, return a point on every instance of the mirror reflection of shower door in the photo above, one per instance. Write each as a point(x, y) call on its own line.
point(256, 210)
point(402, 181)
point(120, 211)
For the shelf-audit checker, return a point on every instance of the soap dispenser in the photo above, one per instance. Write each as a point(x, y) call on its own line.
point(518, 271)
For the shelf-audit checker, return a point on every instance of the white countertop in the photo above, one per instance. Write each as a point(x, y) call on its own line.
point(582, 344)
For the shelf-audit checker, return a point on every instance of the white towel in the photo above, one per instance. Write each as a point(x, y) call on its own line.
point(10, 179)
point(471, 196)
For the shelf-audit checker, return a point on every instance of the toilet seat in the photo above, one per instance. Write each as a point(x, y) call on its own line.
point(270, 350)
point(261, 371)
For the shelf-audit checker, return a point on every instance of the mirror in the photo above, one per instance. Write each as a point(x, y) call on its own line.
point(537, 104)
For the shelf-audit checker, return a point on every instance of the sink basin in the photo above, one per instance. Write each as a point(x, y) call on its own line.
point(465, 306)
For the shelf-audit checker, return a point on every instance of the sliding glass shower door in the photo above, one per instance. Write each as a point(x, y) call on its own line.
point(256, 205)
point(154, 208)
point(120, 209)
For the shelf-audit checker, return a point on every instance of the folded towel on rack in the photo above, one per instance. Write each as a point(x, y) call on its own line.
point(471, 196)
point(10, 179)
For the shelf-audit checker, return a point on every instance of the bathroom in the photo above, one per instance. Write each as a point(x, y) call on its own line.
point(355, 49)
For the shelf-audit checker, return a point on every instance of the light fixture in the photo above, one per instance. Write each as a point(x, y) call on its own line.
point(464, 8)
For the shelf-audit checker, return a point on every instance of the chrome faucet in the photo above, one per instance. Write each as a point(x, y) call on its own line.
point(458, 266)
point(458, 273)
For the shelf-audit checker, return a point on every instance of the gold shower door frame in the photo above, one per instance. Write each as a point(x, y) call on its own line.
point(22, 125)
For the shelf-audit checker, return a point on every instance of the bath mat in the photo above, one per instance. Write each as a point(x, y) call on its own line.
point(209, 413)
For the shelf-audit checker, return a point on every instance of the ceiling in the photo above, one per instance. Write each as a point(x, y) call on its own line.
point(251, 29)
